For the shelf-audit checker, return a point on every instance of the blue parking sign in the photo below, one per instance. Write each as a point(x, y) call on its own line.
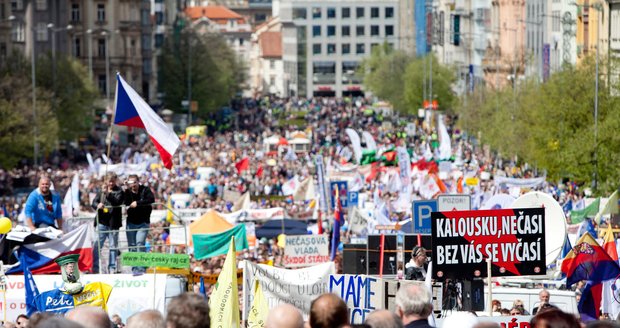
point(422, 210)
point(342, 192)
point(353, 198)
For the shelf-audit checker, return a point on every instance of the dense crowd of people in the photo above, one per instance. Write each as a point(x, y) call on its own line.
point(322, 120)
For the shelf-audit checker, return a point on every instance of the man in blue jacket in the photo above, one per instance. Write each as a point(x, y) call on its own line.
point(43, 207)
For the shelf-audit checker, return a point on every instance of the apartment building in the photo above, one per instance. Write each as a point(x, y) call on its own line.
point(325, 41)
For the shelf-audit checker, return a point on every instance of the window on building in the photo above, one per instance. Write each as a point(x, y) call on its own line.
point(132, 49)
point(2, 50)
point(389, 12)
point(346, 48)
point(359, 12)
point(18, 32)
point(556, 19)
point(101, 82)
point(373, 46)
point(41, 4)
point(2, 11)
point(316, 12)
point(389, 30)
point(346, 12)
point(146, 42)
point(346, 30)
point(331, 12)
point(324, 72)
point(299, 13)
point(159, 40)
point(360, 30)
point(77, 47)
point(272, 64)
point(241, 41)
point(17, 5)
point(331, 30)
point(42, 32)
point(360, 48)
point(316, 30)
point(374, 30)
point(101, 48)
point(101, 12)
point(75, 12)
point(374, 12)
point(390, 46)
point(147, 67)
point(331, 48)
point(272, 81)
point(316, 48)
point(159, 18)
point(145, 17)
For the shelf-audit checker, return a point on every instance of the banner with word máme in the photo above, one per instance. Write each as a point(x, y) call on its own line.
point(297, 287)
point(514, 239)
point(305, 250)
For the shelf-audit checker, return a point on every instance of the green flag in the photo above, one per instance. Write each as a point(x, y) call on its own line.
point(589, 212)
point(210, 245)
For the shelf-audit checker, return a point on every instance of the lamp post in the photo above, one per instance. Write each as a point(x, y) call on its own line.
point(54, 30)
point(33, 72)
point(106, 36)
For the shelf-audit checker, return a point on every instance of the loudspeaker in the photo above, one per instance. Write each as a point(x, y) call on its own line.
point(389, 254)
point(354, 259)
point(473, 295)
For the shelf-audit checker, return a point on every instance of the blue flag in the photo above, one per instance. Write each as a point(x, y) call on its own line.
point(32, 292)
point(587, 225)
point(566, 248)
point(203, 290)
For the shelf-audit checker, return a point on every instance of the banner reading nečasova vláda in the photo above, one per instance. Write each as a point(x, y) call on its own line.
point(513, 238)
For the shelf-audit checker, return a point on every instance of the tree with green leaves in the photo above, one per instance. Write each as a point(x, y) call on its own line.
point(74, 94)
point(383, 75)
point(216, 72)
point(415, 82)
point(17, 131)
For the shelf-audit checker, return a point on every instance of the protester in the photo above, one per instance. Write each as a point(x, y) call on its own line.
point(21, 321)
point(188, 310)
point(117, 321)
point(415, 269)
point(43, 207)
point(460, 320)
point(328, 311)
point(284, 316)
point(57, 322)
point(383, 319)
point(413, 306)
point(89, 317)
point(109, 220)
point(544, 297)
point(147, 319)
point(553, 318)
point(139, 199)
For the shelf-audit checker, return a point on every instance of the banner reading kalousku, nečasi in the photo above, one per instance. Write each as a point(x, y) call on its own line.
point(514, 239)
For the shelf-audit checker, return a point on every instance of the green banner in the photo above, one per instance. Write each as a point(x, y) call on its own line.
point(162, 260)
point(589, 212)
point(210, 245)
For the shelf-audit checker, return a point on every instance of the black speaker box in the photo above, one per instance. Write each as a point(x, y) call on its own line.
point(473, 295)
point(354, 258)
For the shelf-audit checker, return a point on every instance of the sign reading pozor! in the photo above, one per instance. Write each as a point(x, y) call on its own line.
point(512, 238)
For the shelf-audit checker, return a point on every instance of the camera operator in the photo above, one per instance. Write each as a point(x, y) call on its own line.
point(415, 268)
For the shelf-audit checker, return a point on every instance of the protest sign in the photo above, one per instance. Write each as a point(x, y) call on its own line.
point(265, 214)
point(358, 221)
point(180, 261)
point(296, 287)
point(510, 321)
point(305, 250)
point(514, 240)
point(231, 195)
point(363, 294)
point(130, 294)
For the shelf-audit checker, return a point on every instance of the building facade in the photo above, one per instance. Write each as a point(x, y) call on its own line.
point(325, 41)
point(266, 65)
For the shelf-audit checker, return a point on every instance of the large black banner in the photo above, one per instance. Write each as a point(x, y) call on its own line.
point(513, 238)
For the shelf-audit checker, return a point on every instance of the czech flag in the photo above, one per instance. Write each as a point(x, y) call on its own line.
point(132, 111)
point(338, 222)
point(39, 257)
point(589, 261)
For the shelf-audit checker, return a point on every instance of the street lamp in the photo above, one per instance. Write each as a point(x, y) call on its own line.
point(106, 36)
point(54, 30)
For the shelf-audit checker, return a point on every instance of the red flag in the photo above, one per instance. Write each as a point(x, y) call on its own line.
point(242, 165)
point(259, 171)
point(320, 222)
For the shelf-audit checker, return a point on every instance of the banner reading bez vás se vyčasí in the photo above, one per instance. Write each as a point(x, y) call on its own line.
point(514, 239)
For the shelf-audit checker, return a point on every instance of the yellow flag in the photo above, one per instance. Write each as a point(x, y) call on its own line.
point(169, 215)
point(224, 301)
point(259, 310)
point(94, 294)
